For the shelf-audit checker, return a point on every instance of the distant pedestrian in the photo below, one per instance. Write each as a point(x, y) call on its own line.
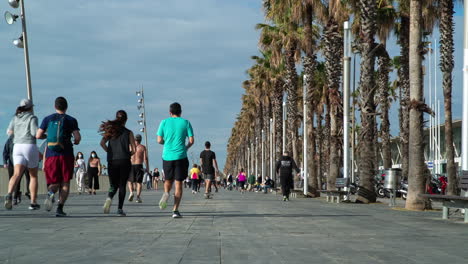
point(119, 143)
point(23, 128)
point(137, 173)
point(209, 168)
point(194, 176)
point(285, 167)
point(156, 179)
point(172, 133)
point(94, 171)
point(59, 158)
point(80, 165)
point(251, 182)
point(242, 178)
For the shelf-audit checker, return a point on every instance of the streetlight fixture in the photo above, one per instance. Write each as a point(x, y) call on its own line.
point(14, 3)
point(141, 106)
point(21, 42)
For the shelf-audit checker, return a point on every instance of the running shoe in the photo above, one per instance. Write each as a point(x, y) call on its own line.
point(207, 196)
point(49, 201)
point(138, 200)
point(34, 207)
point(163, 201)
point(15, 201)
point(8, 202)
point(28, 195)
point(285, 199)
point(176, 214)
point(120, 212)
point(60, 213)
point(130, 197)
point(107, 205)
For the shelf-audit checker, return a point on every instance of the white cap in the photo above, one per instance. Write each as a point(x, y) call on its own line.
point(26, 103)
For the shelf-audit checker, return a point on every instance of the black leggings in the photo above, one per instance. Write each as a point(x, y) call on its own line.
point(286, 184)
point(93, 177)
point(119, 170)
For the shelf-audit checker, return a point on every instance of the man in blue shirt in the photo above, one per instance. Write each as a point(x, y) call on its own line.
point(172, 133)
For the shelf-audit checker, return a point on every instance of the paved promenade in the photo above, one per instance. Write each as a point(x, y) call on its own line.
point(231, 228)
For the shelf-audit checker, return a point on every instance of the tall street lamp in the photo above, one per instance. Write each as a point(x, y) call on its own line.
point(465, 91)
point(263, 155)
point(346, 86)
point(305, 163)
point(285, 117)
point(142, 122)
point(22, 41)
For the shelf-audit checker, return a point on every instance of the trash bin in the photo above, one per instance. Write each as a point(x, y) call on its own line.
point(392, 179)
point(392, 183)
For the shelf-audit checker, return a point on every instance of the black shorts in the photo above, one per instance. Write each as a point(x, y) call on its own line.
point(136, 174)
point(176, 169)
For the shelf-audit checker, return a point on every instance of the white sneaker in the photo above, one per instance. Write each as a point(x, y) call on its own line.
point(107, 205)
point(49, 201)
point(130, 197)
point(163, 201)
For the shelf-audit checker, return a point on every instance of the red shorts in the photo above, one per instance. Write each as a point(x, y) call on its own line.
point(59, 169)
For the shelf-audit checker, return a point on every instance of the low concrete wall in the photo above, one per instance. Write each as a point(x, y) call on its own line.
point(42, 188)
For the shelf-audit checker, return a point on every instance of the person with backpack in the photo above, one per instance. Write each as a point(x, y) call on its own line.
point(23, 128)
point(285, 167)
point(59, 128)
point(194, 175)
point(119, 143)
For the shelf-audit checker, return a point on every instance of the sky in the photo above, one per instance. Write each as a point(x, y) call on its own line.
point(98, 53)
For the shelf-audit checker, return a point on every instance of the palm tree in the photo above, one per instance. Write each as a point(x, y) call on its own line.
point(368, 14)
point(336, 14)
point(446, 66)
point(417, 166)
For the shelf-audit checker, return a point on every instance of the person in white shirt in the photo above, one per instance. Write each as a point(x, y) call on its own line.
point(80, 165)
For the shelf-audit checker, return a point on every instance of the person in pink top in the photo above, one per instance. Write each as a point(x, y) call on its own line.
point(242, 179)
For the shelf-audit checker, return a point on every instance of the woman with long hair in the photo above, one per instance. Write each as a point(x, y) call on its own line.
point(80, 165)
point(94, 170)
point(23, 127)
point(119, 143)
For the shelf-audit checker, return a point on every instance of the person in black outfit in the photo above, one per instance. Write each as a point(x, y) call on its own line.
point(8, 164)
point(285, 167)
point(119, 143)
point(209, 168)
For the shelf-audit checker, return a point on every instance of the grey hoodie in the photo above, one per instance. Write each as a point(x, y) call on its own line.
point(24, 127)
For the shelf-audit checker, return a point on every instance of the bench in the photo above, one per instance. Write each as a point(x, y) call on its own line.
point(452, 201)
point(339, 193)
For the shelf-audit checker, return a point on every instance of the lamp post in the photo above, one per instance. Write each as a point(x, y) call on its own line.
point(346, 86)
point(22, 41)
point(142, 114)
point(305, 163)
point(465, 91)
point(271, 147)
point(263, 155)
point(285, 117)
point(256, 157)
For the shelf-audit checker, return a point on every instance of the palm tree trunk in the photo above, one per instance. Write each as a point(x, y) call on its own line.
point(367, 91)
point(320, 140)
point(446, 65)
point(403, 76)
point(416, 179)
point(277, 101)
point(309, 67)
point(384, 101)
point(333, 46)
point(291, 88)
